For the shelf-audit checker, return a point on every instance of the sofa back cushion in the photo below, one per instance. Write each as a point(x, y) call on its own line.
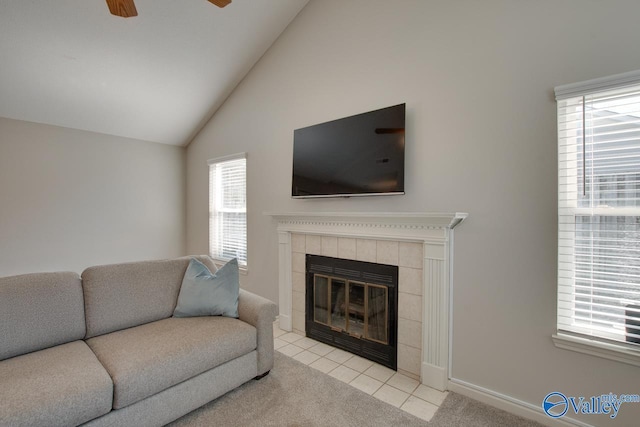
point(39, 311)
point(120, 296)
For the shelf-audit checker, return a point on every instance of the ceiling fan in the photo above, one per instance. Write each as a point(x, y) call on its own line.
point(127, 8)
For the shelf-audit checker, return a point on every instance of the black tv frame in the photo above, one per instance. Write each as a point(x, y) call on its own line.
point(355, 121)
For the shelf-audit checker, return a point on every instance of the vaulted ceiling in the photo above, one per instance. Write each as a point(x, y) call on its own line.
point(157, 77)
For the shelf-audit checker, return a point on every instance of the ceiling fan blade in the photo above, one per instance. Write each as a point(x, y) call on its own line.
point(123, 8)
point(220, 3)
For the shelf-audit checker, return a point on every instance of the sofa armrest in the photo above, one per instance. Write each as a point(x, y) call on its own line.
point(260, 313)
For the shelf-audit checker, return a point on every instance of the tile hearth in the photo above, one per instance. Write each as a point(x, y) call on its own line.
point(381, 382)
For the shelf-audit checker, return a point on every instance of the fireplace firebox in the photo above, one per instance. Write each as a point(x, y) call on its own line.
point(352, 305)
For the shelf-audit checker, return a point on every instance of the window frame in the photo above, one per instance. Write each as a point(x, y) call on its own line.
point(214, 198)
point(584, 343)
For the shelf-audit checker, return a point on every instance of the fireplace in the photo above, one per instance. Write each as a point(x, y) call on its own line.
point(420, 244)
point(352, 305)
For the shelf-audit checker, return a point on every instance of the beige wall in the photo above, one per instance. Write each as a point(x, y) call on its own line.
point(478, 79)
point(70, 199)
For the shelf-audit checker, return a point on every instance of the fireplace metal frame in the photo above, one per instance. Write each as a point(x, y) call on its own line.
point(362, 273)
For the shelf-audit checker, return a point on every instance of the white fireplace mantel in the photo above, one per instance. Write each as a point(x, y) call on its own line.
point(433, 230)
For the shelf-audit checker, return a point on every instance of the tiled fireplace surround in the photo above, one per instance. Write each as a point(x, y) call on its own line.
point(420, 244)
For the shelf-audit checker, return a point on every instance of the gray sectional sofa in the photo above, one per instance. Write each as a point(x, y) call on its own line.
point(103, 349)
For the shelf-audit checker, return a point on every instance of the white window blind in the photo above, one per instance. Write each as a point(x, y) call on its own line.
point(599, 209)
point(228, 208)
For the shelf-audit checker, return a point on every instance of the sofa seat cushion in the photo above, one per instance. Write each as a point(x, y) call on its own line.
point(149, 358)
point(59, 386)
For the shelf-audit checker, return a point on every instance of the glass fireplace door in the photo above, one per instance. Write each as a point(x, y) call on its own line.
point(358, 309)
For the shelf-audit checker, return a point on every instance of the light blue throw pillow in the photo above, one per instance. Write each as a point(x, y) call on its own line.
point(209, 294)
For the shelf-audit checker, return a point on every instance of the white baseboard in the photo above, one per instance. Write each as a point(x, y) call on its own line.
point(511, 405)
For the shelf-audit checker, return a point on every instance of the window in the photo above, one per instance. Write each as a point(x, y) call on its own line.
point(228, 208)
point(599, 211)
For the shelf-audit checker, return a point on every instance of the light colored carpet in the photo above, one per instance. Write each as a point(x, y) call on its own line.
point(295, 395)
point(460, 411)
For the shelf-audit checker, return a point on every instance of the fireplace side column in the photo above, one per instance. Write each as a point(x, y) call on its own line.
point(285, 286)
point(435, 317)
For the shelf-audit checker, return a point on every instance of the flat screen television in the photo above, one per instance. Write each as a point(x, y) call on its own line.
point(361, 155)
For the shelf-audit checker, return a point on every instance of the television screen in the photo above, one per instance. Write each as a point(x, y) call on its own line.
point(361, 155)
